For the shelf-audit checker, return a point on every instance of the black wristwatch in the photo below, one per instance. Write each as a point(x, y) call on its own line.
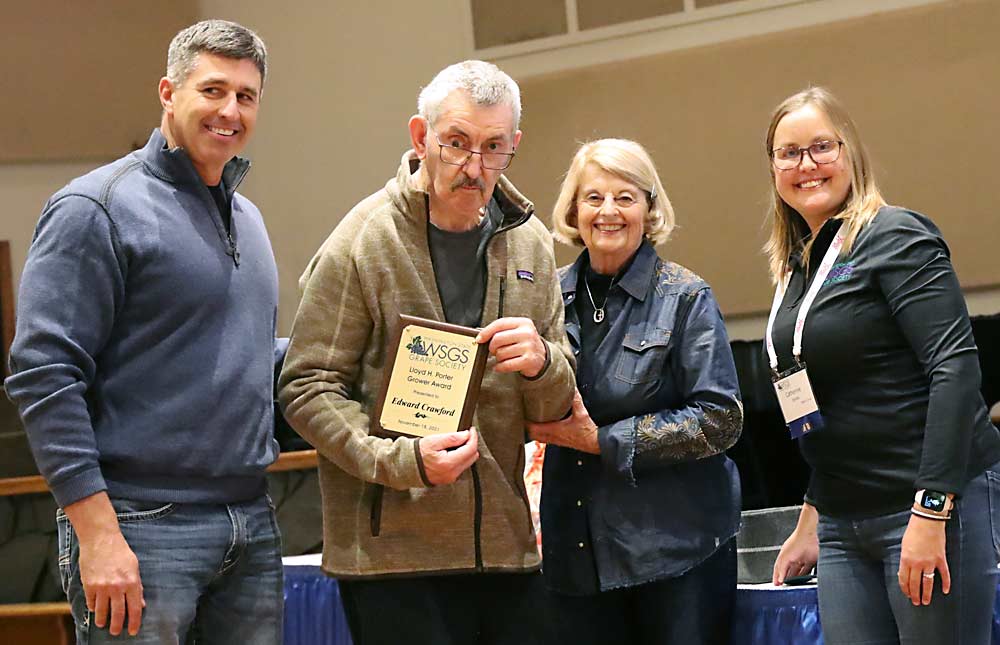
point(932, 504)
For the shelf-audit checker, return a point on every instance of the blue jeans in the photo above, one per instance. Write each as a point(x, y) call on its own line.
point(859, 597)
point(211, 573)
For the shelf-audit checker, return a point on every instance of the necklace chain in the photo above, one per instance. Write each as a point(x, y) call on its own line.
point(598, 311)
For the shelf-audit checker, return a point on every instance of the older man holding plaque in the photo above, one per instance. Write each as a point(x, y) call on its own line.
point(430, 535)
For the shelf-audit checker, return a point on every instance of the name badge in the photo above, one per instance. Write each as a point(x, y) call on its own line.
point(798, 404)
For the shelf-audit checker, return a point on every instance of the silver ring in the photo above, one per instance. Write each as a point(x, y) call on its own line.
point(929, 576)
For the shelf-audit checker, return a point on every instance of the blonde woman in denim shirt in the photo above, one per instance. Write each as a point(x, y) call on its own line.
point(639, 503)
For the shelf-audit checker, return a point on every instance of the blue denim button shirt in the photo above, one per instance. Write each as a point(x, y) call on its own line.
point(662, 496)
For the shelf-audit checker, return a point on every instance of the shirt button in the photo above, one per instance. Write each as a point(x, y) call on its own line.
point(580, 544)
point(579, 502)
point(579, 462)
point(641, 343)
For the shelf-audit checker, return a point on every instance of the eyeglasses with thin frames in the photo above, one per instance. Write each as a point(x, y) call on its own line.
point(458, 156)
point(623, 201)
point(821, 152)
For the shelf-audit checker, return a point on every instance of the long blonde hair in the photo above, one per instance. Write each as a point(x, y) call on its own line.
point(788, 228)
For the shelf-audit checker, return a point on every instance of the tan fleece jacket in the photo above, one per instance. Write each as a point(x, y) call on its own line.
point(375, 265)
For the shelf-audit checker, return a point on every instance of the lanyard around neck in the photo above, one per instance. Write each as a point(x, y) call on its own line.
point(825, 266)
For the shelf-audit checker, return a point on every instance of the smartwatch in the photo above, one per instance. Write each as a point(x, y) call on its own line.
point(932, 504)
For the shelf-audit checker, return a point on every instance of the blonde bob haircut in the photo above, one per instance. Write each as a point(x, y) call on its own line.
point(788, 228)
point(626, 160)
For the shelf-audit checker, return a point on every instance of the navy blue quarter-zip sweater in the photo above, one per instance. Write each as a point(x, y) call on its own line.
point(143, 357)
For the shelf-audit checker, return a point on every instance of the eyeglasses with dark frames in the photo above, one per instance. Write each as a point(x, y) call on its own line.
point(821, 152)
point(458, 156)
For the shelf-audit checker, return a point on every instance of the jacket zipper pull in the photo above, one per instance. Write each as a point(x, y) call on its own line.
point(233, 250)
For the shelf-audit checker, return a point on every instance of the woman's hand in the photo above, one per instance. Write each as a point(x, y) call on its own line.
point(577, 431)
point(800, 551)
point(923, 553)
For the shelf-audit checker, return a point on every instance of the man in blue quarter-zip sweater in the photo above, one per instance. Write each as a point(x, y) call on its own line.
point(142, 368)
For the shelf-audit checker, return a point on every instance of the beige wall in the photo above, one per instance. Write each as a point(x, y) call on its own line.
point(920, 83)
point(343, 82)
point(79, 89)
point(76, 75)
point(345, 76)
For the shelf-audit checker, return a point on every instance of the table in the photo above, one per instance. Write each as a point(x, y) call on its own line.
point(313, 612)
point(764, 614)
point(769, 615)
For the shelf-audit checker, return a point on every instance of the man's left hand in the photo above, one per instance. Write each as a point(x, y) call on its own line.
point(515, 344)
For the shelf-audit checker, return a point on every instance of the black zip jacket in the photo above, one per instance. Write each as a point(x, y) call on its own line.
point(894, 368)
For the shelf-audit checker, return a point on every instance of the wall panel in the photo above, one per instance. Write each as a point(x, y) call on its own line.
point(80, 77)
point(918, 82)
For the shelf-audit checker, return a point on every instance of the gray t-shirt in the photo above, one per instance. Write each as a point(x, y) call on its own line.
point(460, 267)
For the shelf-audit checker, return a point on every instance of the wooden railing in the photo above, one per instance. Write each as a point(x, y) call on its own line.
point(36, 623)
point(297, 460)
point(28, 609)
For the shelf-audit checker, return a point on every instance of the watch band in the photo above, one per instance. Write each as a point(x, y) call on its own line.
point(937, 518)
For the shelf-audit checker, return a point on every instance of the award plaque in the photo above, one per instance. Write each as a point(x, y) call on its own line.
point(432, 376)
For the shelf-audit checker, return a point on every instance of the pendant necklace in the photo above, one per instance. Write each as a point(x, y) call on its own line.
point(598, 311)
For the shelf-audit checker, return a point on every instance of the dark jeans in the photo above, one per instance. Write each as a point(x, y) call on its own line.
point(487, 608)
point(210, 573)
point(691, 609)
point(859, 596)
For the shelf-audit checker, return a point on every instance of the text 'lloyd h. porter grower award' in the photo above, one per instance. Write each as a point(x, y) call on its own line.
point(432, 376)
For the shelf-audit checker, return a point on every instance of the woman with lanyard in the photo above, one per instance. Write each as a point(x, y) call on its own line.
point(877, 374)
point(639, 503)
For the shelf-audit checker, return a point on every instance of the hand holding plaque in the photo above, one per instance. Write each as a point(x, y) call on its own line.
point(432, 377)
point(516, 345)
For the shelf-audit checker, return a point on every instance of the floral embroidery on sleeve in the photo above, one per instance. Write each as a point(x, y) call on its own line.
point(690, 438)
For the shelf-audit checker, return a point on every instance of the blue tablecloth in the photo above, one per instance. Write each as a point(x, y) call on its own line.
point(790, 616)
point(764, 615)
point(313, 613)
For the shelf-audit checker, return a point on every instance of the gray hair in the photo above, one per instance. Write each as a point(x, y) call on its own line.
point(484, 82)
point(626, 160)
point(219, 37)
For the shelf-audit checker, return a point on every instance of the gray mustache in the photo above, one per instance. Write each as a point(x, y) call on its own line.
point(467, 181)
